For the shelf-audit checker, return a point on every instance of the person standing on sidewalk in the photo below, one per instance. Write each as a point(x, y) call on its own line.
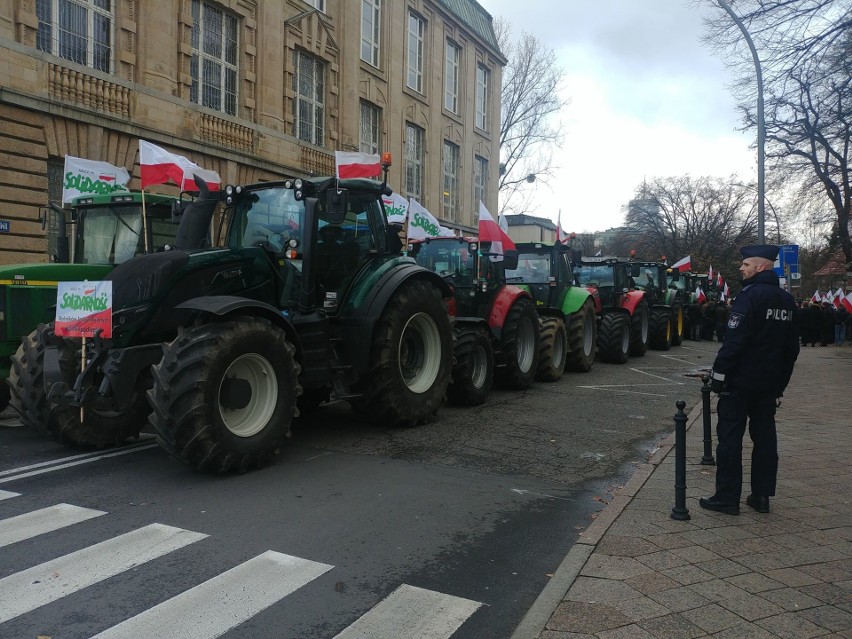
point(751, 371)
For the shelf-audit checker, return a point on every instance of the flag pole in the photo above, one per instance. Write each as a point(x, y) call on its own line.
point(144, 223)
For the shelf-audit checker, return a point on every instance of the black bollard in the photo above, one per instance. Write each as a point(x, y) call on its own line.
point(707, 458)
point(680, 511)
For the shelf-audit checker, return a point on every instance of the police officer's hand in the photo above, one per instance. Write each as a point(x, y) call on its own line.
point(716, 385)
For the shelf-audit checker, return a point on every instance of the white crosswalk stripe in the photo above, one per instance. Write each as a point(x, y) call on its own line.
point(39, 522)
point(211, 609)
point(412, 613)
point(32, 588)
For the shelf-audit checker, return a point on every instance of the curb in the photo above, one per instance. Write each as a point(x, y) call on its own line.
point(535, 621)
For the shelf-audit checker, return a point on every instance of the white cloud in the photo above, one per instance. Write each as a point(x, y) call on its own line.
point(647, 99)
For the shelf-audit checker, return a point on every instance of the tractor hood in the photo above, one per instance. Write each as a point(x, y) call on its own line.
point(50, 273)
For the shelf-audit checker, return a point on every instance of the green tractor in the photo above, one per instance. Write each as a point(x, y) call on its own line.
point(566, 311)
point(104, 230)
point(624, 314)
point(666, 301)
point(308, 298)
point(495, 324)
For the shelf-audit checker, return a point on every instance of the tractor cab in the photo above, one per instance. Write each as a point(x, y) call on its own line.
point(544, 270)
point(611, 276)
point(651, 278)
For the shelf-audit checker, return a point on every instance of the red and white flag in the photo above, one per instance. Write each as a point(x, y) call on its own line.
point(816, 297)
point(839, 296)
point(710, 274)
point(683, 265)
point(158, 166)
point(700, 297)
point(847, 301)
point(719, 280)
point(726, 292)
point(353, 164)
point(490, 231)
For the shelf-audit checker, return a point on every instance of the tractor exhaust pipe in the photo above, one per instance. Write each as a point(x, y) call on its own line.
point(194, 226)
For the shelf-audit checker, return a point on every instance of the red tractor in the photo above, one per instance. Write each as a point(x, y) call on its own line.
point(624, 314)
point(496, 325)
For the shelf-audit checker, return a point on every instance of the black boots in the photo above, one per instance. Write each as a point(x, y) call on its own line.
point(758, 503)
point(713, 503)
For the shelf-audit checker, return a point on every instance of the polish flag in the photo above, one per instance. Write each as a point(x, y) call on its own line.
point(158, 166)
point(700, 297)
point(710, 274)
point(353, 164)
point(839, 296)
point(726, 292)
point(490, 231)
point(719, 280)
point(847, 302)
point(561, 238)
point(816, 297)
point(683, 265)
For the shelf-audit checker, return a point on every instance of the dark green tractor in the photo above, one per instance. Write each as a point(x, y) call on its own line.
point(666, 301)
point(308, 299)
point(566, 311)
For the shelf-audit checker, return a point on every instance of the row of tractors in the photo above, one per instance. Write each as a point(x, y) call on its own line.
point(300, 292)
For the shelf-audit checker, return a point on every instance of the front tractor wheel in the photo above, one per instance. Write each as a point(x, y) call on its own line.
point(519, 341)
point(26, 381)
point(473, 372)
point(640, 329)
point(661, 329)
point(224, 395)
point(614, 338)
point(582, 338)
point(552, 350)
point(678, 327)
point(410, 359)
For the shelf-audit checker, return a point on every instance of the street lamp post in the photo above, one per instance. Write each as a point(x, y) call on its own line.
point(761, 134)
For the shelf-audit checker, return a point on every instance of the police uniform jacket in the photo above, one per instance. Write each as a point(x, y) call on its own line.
point(761, 342)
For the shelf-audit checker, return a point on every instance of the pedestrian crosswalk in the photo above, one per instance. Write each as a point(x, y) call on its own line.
point(209, 609)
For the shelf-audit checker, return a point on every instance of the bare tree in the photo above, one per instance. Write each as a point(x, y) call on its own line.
point(528, 131)
point(707, 218)
point(806, 55)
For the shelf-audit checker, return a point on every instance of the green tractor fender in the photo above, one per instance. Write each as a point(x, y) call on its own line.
point(364, 305)
point(574, 299)
point(223, 306)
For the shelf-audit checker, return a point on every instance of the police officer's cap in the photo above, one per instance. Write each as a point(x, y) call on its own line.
point(766, 251)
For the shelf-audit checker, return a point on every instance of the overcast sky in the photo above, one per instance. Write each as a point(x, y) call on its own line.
point(647, 99)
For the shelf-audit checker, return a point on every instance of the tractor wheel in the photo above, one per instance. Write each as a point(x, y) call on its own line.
point(661, 329)
point(225, 394)
point(26, 381)
point(552, 349)
point(98, 428)
point(518, 347)
point(614, 338)
point(582, 338)
point(473, 372)
point(640, 324)
point(678, 327)
point(410, 359)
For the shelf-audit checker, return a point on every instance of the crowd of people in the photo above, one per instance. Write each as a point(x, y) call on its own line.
point(707, 320)
point(823, 323)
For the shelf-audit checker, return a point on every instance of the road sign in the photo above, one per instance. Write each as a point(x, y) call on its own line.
point(4, 226)
point(787, 260)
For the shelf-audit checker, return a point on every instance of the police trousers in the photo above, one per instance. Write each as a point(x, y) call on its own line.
point(734, 409)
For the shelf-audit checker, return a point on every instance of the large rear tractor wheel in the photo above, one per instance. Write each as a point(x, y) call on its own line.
point(26, 381)
point(552, 349)
point(473, 372)
point(224, 395)
point(640, 329)
point(411, 358)
point(519, 341)
point(678, 325)
point(614, 338)
point(582, 338)
point(661, 329)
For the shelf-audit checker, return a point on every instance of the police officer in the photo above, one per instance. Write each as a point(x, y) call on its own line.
point(751, 371)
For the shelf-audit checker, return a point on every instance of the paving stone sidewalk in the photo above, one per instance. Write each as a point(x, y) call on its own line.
point(635, 573)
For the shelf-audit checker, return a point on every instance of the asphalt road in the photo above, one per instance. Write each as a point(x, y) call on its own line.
point(479, 507)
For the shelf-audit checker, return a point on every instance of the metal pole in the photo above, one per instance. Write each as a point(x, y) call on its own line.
point(680, 511)
point(707, 459)
point(761, 129)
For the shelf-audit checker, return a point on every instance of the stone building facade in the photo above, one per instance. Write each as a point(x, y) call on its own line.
point(254, 89)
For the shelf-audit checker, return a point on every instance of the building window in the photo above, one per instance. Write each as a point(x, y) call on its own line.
point(371, 13)
point(78, 30)
point(450, 195)
point(416, 35)
point(483, 79)
point(213, 66)
point(317, 4)
point(451, 77)
point(308, 98)
point(480, 180)
point(371, 117)
point(414, 156)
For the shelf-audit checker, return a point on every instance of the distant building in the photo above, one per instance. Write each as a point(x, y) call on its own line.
point(254, 89)
point(529, 228)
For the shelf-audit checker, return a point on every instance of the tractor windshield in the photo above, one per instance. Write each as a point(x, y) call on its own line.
point(271, 217)
point(595, 275)
point(533, 268)
point(112, 234)
point(451, 257)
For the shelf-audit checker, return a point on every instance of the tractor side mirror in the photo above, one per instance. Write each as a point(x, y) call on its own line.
point(336, 205)
point(510, 260)
point(635, 270)
point(177, 211)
